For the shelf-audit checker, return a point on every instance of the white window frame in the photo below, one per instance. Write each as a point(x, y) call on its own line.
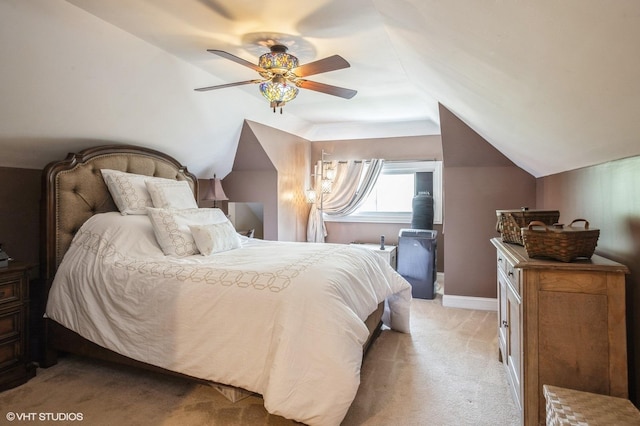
point(402, 217)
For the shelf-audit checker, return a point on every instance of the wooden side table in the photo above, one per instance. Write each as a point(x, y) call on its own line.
point(389, 252)
point(16, 367)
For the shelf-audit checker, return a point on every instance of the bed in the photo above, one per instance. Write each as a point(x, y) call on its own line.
point(289, 321)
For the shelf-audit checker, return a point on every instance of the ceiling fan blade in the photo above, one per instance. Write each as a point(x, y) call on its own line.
point(236, 59)
point(332, 63)
point(326, 88)
point(222, 86)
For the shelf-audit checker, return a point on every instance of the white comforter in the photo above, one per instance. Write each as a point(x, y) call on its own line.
point(281, 319)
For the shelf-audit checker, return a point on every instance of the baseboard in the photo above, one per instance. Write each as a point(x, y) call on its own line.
point(467, 302)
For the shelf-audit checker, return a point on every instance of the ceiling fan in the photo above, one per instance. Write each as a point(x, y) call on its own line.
point(282, 76)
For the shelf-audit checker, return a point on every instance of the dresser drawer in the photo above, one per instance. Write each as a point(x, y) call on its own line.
point(510, 272)
point(10, 353)
point(502, 262)
point(513, 275)
point(10, 324)
point(10, 289)
point(15, 362)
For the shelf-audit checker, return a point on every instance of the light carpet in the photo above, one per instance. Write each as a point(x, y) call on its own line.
point(446, 372)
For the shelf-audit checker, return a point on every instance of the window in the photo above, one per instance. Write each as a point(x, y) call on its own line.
point(390, 201)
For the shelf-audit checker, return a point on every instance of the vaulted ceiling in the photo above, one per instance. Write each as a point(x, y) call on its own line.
point(551, 84)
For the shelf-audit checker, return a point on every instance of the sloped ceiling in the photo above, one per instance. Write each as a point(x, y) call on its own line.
point(551, 84)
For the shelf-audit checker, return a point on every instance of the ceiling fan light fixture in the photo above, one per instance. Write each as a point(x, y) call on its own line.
point(278, 92)
point(282, 76)
point(278, 61)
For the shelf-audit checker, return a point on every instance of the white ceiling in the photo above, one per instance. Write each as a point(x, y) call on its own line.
point(552, 84)
point(313, 29)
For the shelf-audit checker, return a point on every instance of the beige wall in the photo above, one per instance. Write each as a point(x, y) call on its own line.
point(271, 167)
point(478, 180)
point(472, 196)
point(259, 186)
point(608, 196)
point(290, 156)
point(246, 217)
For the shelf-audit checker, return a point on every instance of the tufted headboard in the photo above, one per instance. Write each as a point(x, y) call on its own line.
point(73, 190)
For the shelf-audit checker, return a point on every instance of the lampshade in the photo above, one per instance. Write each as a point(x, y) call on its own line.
point(278, 61)
point(278, 91)
point(310, 195)
point(330, 173)
point(215, 191)
point(326, 185)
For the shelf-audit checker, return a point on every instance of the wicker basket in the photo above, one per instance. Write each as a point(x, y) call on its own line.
point(558, 242)
point(510, 222)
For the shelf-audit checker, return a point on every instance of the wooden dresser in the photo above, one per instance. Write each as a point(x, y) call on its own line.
point(560, 324)
point(15, 364)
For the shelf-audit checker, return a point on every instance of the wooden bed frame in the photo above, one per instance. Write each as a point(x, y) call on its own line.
point(72, 191)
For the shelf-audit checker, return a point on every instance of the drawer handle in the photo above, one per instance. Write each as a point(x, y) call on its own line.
point(510, 273)
point(499, 259)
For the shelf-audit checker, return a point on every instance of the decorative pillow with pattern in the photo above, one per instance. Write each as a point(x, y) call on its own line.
point(175, 194)
point(215, 238)
point(171, 228)
point(128, 190)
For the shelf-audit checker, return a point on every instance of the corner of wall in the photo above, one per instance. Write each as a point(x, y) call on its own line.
point(265, 149)
point(478, 180)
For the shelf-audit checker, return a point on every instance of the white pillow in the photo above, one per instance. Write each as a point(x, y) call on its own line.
point(171, 228)
point(215, 237)
point(175, 194)
point(128, 190)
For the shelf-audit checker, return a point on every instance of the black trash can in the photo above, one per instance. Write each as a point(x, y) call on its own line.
point(416, 260)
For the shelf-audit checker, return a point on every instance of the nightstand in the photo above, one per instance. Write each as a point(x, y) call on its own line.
point(389, 252)
point(15, 365)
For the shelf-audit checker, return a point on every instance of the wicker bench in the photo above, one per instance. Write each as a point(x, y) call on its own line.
point(571, 407)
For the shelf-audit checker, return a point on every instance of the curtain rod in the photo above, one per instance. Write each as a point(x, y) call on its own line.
point(386, 161)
